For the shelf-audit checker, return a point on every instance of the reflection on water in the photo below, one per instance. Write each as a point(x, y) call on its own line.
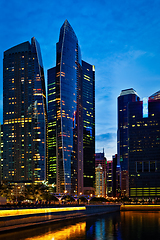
point(71, 232)
point(115, 226)
point(140, 225)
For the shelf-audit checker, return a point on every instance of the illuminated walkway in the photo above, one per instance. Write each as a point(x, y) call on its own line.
point(17, 218)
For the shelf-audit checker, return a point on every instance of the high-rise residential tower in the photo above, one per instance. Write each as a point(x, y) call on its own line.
point(66, 115)
point(126, 96)
point(24, 114)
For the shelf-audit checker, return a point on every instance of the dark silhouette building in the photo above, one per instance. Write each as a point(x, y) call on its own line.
point(1, 152)
point(88, 100)
point(24, 114)
point(71, 117)
point(126, 96)
point(144, 148)
point(114, 176)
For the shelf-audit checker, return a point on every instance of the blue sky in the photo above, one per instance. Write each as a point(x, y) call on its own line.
point(121, 38)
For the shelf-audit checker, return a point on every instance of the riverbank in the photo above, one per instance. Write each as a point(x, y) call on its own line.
point(21, 218)
point(139, 207)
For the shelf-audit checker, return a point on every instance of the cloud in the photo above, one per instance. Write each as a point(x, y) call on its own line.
point(120, 38)
point(108, 141)
point(105, 137)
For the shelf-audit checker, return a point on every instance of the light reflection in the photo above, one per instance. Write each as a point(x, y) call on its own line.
point(71, 232)
point(15, 212)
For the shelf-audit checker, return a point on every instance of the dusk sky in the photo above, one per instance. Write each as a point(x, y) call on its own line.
point(121, 38)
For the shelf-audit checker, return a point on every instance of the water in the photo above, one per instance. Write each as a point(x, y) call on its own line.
point(115, 226)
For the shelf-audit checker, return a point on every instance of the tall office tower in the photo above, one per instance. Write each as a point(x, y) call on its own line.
point(1, 152)
point(88, 96)
point(66, 116)
point(24, 114)
point(52, 124)
point(144, 148)
point(126, 96)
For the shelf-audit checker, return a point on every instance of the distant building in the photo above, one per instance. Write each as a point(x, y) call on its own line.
point(126, 96)
point(118, 185)
point(144, 148)
point(109, 178)
point(114, 176)
point(101, 160)
point(100, 182)
point(24, 114)
point(71, 118)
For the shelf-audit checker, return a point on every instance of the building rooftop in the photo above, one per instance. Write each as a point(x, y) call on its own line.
point(155, 96)
point(128, 91)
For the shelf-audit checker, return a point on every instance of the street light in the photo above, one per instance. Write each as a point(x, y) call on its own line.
point(17, 187)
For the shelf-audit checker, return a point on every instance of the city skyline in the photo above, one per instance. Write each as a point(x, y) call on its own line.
point(121, 40)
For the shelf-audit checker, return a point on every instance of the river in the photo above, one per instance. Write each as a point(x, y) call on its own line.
point(129, 225)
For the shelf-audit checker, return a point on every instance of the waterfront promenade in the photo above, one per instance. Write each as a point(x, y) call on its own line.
point(22, 217)
point(11, 219)
point(140, 207)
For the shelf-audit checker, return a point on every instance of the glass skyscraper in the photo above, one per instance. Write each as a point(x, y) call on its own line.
point(88, 78)
point(126, 96)
point(66, 115)
point(24, 114)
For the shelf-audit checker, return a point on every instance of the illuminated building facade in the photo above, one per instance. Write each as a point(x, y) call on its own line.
point(144, 148)
point(24, 114)
point(66, 118)
point(1, 152)
point(114, 176)
point(100, 159)
point(100, 182)
point(109, 178)
point(126, 96)
point(65, 115)
point(52, 119)
point(88, 96)
point(118, 183)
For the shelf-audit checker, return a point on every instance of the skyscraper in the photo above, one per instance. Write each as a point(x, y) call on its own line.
point(1, 152)
point(126, 96)
point(24, 114)
point(66, 115)
point(144, 148)
point(100, 182)
point(88, 97)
